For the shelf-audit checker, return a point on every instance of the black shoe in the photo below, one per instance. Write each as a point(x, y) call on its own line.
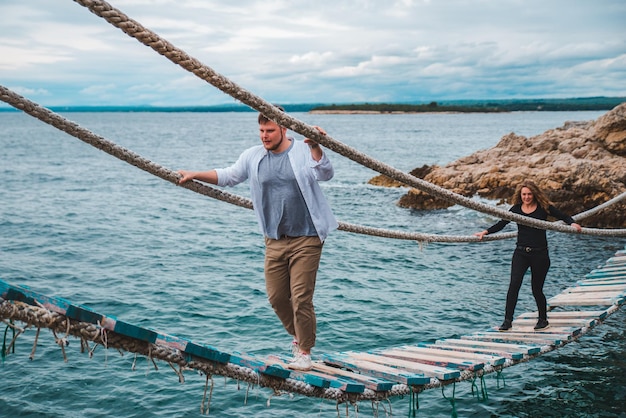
point(506, 325)
point(542, 324)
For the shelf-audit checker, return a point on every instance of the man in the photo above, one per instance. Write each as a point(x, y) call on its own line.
point(295, 219)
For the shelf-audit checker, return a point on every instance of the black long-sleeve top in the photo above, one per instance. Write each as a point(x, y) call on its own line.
point(528, 236)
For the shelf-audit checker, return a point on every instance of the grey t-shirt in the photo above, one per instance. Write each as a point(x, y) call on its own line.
point(283, 207)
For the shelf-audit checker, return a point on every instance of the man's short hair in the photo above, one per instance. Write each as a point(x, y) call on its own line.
point(264, 119)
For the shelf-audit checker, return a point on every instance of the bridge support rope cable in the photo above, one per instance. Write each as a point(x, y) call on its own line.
point(179, 57)
point(40, 317)
point(72, 128)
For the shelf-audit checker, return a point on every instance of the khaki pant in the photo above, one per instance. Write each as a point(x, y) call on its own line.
point(291, 265)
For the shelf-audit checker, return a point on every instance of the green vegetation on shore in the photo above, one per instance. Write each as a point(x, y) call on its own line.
point(405, 108)
point(548, 105)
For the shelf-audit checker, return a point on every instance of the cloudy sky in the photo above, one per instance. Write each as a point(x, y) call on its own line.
point(302, 51)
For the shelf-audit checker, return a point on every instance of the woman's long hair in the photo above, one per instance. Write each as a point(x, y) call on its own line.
point(540, 197)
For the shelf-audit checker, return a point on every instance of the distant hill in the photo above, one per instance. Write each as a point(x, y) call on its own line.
point(505, 105)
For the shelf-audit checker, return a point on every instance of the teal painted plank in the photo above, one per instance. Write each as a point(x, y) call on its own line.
point(344, 385)
point(376, 370)
point(440, 373)
point(135, 331)
point(83, 314)
point(336, 382)
point(259, 365)
point(26, 295)
point(369, 382)
point(206, 352)
point(4, 288)
point(312, 379)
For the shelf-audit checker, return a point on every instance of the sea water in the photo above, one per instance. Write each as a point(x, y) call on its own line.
point(79, 224)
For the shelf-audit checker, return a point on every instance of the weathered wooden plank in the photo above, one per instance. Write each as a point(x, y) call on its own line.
point(529, 331)
point(582, 303)
point(591, 295)
point(432, 359)
point(605, 274)
point(369, 382)
point(607, 268)
point(617, 260)
point(337, 382)
point(440, 373)
point(567, 314)
point(564, 300)
point(540, 339)
point(599, 282)
point(598, 294)
point(171, 341)
point(501, 345)
point(595, 288)
point(381, 371)
point(460, 355)
point(558, 322)
point(479, 350)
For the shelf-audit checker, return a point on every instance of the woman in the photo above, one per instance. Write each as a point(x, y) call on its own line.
point(531, 249)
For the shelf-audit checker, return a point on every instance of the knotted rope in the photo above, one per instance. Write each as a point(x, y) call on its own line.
point(179, 57)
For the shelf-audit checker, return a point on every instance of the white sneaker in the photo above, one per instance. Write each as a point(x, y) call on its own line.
point(301, 362)
point(295, 349)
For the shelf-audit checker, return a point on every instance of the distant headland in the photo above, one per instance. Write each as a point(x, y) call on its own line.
point(448, 106)
point(476, 106)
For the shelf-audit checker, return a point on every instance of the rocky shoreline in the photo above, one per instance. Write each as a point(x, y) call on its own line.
point(580, 165)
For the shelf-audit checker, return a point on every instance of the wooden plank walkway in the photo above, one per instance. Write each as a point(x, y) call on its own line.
point(378, 374)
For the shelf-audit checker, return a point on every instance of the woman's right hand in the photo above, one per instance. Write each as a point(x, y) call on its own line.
point(481, 234)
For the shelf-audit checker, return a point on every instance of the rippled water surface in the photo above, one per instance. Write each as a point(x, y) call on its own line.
point(80, 224)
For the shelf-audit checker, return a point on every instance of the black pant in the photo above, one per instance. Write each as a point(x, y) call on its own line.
point(539, 263)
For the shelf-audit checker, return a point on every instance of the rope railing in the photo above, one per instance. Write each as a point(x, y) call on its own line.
point(179, 57)
point(77, 131)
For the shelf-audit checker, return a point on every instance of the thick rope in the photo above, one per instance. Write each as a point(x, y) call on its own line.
point(598, 208)
point(77, 131)
point(179, 57)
